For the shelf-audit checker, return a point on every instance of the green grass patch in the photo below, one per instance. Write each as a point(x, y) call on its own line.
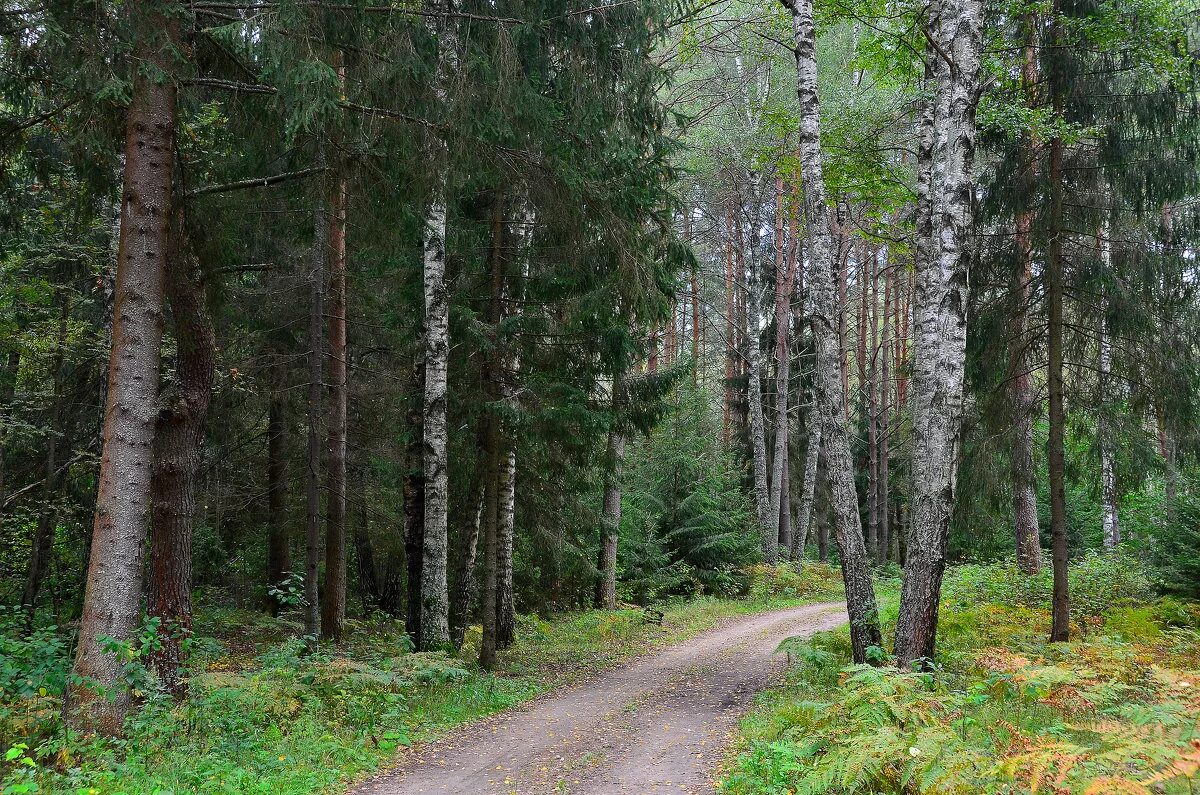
point(265, 718)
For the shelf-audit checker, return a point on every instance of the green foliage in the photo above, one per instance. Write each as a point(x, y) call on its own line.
point(1003, 712)
point(808, 580)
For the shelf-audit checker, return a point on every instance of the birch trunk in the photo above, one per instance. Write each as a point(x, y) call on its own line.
point(940, 306)
point(830, 398)
point(808, 488)
point(883, 413)
point(785, 270)
point(1108, 474)
point(114, 579)
point(435, 600)
point(768, 530)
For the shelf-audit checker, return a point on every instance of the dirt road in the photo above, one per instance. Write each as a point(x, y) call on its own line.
point(658, 724)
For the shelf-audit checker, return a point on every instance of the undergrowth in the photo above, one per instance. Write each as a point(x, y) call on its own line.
point(262, 716)
point(1114, 712)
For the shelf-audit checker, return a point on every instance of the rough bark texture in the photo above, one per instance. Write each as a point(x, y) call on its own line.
point(464, 589)
point(730, 336)
point(177, 447)
point(506, 618)
point(808, 489)
point(1024, 474)
point(871, 385)
point(940, 306)
point(830, 397)
point(414, 502)
point(333, 608)
point(882, 487)
point(279, 551)
point(316, 393)
point(435, 600)
point(114, 580)
point(491, 546)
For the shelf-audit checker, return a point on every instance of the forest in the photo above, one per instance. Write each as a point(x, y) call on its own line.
point(385, 384)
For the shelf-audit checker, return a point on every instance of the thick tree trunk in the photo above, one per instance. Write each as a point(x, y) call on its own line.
point(177, 446)
point(279, 548)
point(940, 317)
point(333, 608)
point(316, 392)
point(606, 592)
point(830, 390)
point(114, 580)
point(1023, 471)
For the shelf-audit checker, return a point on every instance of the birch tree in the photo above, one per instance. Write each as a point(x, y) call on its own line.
point(939, 309)
point(830, 397)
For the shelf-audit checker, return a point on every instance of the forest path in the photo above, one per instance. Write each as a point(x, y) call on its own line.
point(658, 724)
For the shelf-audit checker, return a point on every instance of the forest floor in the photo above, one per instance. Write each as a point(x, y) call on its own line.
point(659, 724)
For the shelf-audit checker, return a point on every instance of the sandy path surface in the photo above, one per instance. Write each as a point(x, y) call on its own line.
point(658, 724)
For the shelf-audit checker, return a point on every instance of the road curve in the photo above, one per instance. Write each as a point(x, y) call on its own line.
point(657, 724)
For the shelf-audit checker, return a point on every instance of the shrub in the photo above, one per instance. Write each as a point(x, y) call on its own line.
point(787, 581)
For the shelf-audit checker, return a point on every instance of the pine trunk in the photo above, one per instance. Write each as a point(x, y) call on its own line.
point(1108, 474)
point(883, 411)
point(940, 307)
point(1023, 471)
point(333, 608)
point(785, 270)
point(830, 389)
point(316, 392)
point(114, 579)
point(768, 530)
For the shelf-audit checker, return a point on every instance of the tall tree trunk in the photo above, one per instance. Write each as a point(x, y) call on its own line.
point(768, 529)
point(785, 274)
point(506, 494)
point(279, 548)
point(316, 391)
point(435, 599)
point(1060, 629)
point(830, 390)
point(177, 445)
point(883, 412)
point(1023, 471)
point(114, 580)
point(333, 608)
point(606, 593)
point(414, 499)
point(8, 387)
point(489, 598)
point(1108, 473)
point(843, 299)
point(940, 312)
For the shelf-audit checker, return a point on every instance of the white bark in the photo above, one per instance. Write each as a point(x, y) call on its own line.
point(808, 491)
point(939, 308)
point(768, 530)
point(1108, 474)
point(830, 397)
point(435, 601)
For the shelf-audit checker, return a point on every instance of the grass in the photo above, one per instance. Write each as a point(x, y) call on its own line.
point(1114, 712)
point(264, 718)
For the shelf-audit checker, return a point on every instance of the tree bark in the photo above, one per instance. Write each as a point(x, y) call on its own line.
point(731, 355)
point(1060, 628)
point(177, 445)
point(785, 274)
point(606, 593)
point(464, 589)
point(940, 317)
point(114, 580)
point(414, 500)
point(830, 390)
point(1109, 497)
point(1023, 471)
point(333, 608)
point(506, 619)
point(279, 552)
point(883, 411)
point(316, 391)
point(871, 389)
point(768, 529)
point(435, 600)
point(809, 489)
